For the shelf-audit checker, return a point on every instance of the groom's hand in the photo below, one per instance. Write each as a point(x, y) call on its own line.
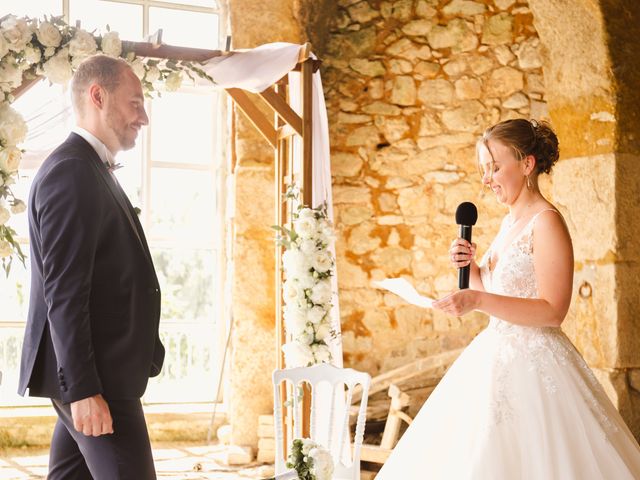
point(91, 416)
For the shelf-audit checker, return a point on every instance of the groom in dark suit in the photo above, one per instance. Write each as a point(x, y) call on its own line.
point(91, 340)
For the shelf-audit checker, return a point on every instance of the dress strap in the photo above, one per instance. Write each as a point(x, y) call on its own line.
point(533, 219)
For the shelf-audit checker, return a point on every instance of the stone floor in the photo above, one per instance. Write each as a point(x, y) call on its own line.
point(172, 463)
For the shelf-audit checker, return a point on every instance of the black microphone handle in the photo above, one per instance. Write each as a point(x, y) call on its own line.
point(463, 273)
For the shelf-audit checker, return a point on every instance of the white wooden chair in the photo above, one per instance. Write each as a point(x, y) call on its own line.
point(336, 379)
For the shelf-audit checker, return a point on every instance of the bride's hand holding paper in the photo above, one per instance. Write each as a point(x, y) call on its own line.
point(459, 302)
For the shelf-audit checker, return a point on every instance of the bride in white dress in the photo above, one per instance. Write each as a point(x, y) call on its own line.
point(520, 401)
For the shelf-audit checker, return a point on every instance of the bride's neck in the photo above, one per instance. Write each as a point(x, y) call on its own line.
point(522, 206)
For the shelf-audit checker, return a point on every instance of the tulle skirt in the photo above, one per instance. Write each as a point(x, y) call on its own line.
point(519, 403)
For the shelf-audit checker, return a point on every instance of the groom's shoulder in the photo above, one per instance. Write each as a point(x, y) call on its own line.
point(74, 150)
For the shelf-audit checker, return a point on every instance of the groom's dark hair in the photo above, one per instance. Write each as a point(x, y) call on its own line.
point(101, 69)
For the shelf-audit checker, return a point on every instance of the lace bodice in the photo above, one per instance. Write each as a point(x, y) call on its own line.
point(513, 274)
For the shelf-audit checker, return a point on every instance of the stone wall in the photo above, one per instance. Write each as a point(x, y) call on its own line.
point(410, 85)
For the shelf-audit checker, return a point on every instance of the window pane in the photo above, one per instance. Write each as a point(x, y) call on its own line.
point(97, 14)
point(186, 282)
point(185, 29)
point(130, 175)
point(32, 8)
point(197, 132)
point(197, 3)
point(191, 364)
point(182, 206)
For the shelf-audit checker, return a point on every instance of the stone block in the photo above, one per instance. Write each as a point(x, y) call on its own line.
point(455, 35)
point(266, 431)
point(593, 181)
point(403, 91)
point(265, 420)
point(267, 444)
point(362, 12)
point(235, 455)
point(468, 88)
point(435, 92)
point(346, 164)
point(367, 136)
point(466, 118)
point(371, 68)
point(505, 81)
point(418, 27)
point(464, 8)
point(382, 108)
point(498, 30)
point(266, 456)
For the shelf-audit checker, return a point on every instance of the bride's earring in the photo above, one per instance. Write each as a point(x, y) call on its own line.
point(529, 184)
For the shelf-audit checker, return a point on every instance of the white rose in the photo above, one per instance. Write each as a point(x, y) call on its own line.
point(321, 292)
point(48, 35)
point(321, 262)
point(10, 73)
point(10, 159)
point(295, 320)
point(4, 215)
point(58, 69)
point(308, 246)
point(316, 314)
point(295, 263)
point(306, 212)
point(306, 227)
point(321, 353)
point(306, 279)
point(4, 46)
point(111, 44)
point(5, 249)
point(173, 81)
point(326, 230)
point(49, 51)
point(13, 128)
point(76, 61)
point(17, 32)
point(292, 292)
point(138, 68)
point(323, 332)
point(82, 45)
point(305, 337)
point(152, 75)
point(297, 354)
point(307, 445)
point(32, 55)
point(18, 207)
point(322, 466)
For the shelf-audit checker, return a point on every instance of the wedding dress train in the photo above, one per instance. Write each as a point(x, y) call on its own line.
point(519, 403)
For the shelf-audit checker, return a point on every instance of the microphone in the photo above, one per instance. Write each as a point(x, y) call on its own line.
point(466, 217)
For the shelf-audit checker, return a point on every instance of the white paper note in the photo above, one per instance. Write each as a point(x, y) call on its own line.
point(405, 290)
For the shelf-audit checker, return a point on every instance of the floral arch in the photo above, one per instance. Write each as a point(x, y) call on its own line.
point(31, 49)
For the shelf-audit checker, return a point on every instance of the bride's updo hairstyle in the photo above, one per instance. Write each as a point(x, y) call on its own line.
point(525, 138)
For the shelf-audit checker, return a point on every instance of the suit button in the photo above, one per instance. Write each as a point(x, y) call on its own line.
point(63, 388)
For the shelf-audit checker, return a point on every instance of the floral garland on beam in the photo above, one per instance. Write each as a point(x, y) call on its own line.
point(308, 267)
point(30, 48)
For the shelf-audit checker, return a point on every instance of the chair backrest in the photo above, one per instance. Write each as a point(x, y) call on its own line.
point(334, 404)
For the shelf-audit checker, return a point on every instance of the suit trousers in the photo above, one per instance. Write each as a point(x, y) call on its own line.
point(123, 455)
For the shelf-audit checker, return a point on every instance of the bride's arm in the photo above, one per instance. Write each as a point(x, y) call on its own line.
point(553, 262)
point(475, 281)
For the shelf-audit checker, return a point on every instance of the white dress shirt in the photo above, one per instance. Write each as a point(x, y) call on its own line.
point(101, 149)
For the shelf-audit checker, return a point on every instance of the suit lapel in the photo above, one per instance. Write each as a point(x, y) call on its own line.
point(118, 194)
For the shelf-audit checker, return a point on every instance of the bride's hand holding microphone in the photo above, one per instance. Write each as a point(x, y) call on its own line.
point(461, 255)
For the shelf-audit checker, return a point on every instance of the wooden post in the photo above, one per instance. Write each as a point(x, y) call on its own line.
point(281, 166)
point(307, 193)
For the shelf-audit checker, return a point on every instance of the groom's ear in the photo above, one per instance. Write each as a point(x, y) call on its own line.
point(97, 96)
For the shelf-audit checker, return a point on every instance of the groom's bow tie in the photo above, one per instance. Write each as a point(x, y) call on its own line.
point(112, 167)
